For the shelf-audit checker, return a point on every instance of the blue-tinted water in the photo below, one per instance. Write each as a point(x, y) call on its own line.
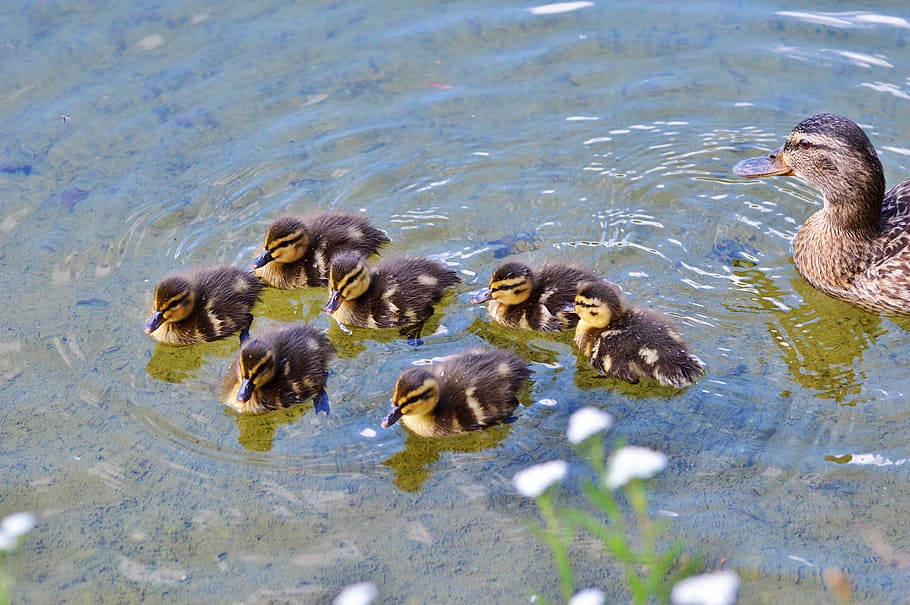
point(140, 140)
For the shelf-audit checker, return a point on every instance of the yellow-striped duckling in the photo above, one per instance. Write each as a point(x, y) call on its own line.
point(630, 344)
point(202, 305)
point(519, 297)
point(857, 247)
point(296, 251)
point(277, 369)
point(464, 392)
point(398, 291)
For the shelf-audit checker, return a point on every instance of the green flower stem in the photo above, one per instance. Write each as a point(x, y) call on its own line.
point(558, 537)
point(626, 531)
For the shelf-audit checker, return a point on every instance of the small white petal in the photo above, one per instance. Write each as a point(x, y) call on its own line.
point(18, 524)
point(634, 462)
point(7, 542)
point(586, 422)
point(718, 588)
point(588, 596)
point(361, 593)
point(559, 7)
point(535, 480)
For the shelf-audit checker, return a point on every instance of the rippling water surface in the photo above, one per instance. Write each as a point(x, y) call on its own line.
point(140, 140)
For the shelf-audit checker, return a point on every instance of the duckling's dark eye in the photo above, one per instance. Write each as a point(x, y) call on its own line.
point(804, 144)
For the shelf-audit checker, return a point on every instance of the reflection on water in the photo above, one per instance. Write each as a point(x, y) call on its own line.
point(258, 431)
point(821, 340)
point(472, 133)
point(413, 464)
point(176, 363)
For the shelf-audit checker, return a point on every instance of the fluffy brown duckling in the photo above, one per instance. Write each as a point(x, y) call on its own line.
point(296, 251)
point(277, 369)
point(398, 291)
point(857, 247)
point(464, 392)
point(202, 305)
point(630, 344)
point(519, 297)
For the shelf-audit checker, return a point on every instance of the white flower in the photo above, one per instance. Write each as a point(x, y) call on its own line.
point(586, 422)
point(588, 596)
point(559, 7)
point(633, 462)
point(14, 527)
point(718, 588)
point(361, 593)
point(535, 480)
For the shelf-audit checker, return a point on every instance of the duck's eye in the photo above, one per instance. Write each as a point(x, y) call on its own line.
point(804, 144)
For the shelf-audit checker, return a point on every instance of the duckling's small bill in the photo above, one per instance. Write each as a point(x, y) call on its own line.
point(481, 297)
point(262, 260)
point(393, 417)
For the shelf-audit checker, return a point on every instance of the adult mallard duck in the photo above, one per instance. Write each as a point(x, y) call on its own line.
point(857, 247)
point(630, 344)
point(464, 392)
point(277, 369)
point(520, 297)
point(399, 291)
point(201, 305)
point(296, 251)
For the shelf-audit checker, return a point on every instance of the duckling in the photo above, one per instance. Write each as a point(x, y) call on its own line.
point(203, 305)
point(464, 392)
point(522, 298)
point(397, 292)
point(296, 251)
point(857, 247)
point(278, 369)
point(630, 344)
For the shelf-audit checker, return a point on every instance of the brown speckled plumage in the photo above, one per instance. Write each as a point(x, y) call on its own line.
point(630, 344)
point(521, 297)
point(461, 393)
point(277, 369)
point(396, 291)
point(296, 251)
point(857, 247)
point(202, 305)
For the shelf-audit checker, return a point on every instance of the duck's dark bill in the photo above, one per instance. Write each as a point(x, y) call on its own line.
point(262, 260)
point(154, 322)
point(335, 300)
point(768, 165)
point(245, 391)
point(482, 296)
point(391, 419)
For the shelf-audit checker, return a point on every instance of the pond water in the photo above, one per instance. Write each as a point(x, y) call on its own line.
point(141, 140)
